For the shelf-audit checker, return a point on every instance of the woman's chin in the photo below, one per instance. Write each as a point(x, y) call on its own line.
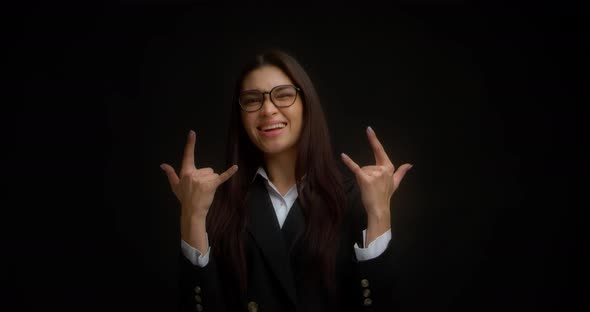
point(274, 149)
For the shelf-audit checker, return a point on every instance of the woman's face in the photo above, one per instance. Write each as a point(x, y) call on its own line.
point(287, 120)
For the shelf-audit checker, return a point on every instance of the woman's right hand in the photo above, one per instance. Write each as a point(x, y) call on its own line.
point(196, 187)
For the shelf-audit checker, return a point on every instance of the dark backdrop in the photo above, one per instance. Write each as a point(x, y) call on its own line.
point(483, 101)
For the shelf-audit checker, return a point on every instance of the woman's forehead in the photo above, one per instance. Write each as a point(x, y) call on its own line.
point(265, 78)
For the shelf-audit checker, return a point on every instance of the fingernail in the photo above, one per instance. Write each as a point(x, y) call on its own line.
point(162, 167)
point(410, 167)
point(370, 129)
point(191, 133)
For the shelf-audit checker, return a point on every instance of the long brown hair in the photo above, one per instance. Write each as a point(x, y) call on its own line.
point(322, 199)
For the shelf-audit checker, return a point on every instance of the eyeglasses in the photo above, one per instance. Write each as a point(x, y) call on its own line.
point(280, 96)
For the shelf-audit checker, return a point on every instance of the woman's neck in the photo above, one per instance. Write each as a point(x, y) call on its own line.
point(280, 169)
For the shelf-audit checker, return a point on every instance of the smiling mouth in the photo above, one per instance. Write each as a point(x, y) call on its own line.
point(276, 126)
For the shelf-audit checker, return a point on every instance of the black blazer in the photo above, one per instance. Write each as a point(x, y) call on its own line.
point(275, 266)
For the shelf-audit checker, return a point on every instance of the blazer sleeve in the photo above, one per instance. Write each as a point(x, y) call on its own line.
point(374, 280)
point(200, 288)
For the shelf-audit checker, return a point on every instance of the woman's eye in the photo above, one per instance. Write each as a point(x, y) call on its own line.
point(252, 101)
point(284, 93)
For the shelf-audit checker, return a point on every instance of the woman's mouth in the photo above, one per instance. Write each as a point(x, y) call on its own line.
point(272, 130)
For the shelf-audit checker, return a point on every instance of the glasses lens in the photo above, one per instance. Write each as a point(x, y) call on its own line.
point(251, 100)
point(284, 95)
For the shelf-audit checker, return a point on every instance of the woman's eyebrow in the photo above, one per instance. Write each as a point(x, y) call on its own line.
point(257, 89)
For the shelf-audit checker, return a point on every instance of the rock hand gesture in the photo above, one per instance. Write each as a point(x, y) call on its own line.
point(195, 189)
point(377, 184)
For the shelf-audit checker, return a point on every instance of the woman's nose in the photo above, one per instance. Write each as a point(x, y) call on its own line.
point(268, 107)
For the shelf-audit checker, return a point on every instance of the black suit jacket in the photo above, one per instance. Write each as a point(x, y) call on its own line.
point(276, 266)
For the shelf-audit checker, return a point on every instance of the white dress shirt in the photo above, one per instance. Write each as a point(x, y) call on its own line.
point(282, 205)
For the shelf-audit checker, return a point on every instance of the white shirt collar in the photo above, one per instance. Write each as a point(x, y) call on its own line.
point(263, 174)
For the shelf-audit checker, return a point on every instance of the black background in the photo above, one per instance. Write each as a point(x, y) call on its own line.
point(482, 100)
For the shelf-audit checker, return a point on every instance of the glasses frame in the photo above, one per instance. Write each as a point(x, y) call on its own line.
point(297, 91)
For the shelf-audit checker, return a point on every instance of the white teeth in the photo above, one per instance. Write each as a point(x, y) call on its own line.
point(275, 126)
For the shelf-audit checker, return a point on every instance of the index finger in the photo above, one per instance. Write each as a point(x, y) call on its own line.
point(188, 160)
point(353, 166)
point(381, 157)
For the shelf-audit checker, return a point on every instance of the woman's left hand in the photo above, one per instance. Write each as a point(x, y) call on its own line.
point(377, 184)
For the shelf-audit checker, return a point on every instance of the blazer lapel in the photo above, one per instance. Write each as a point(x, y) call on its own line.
point(293, 227)
point(265, 230)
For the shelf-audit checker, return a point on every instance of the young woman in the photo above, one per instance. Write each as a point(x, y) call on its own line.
point(282, 229)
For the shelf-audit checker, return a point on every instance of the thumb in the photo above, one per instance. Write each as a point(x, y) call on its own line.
point(227, 174)
point(171, 174)
point(399, 174)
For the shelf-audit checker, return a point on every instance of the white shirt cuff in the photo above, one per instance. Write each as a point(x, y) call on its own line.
point(194, 255)
point(375, 248)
